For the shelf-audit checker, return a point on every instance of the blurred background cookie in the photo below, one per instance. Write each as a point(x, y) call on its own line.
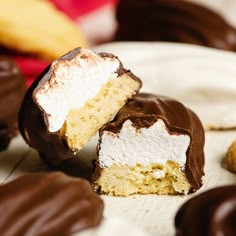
point(12, 90)
point(231, 157)
point(212, 212)
point(173, 21)
point(38, 28)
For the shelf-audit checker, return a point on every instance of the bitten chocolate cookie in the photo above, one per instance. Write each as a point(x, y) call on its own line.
point(211, 213)
point(12, 91)
point(71, 100)
point(173, 21)
point(154, 145)
point(48, 204)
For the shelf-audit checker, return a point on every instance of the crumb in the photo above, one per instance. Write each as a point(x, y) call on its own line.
point(231, 157)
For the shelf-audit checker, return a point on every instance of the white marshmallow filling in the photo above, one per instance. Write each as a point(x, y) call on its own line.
point(72, 83)
point(145, 146)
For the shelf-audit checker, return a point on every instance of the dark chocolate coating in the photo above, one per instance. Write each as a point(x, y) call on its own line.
point(210, 213)
point(173, 21)
point(12, 91)
point(145, 109)
point(50, 145)
point(48, 204)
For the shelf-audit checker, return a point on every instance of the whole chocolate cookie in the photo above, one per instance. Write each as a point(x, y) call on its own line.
point(12, 91)
point(210, 213)
point(48, 204)
point(173, 21)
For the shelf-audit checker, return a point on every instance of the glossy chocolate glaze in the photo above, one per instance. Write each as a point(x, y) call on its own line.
point(12, 91)
point(211, 213)
point(173, 21)
point(145, 109)
point(48, 204)
point(50, 145)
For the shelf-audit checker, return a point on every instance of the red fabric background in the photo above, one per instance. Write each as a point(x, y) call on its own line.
point(32, 67)
point(76, 8)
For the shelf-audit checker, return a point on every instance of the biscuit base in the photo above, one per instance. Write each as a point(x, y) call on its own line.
point(81, 124)
point(128, 180)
